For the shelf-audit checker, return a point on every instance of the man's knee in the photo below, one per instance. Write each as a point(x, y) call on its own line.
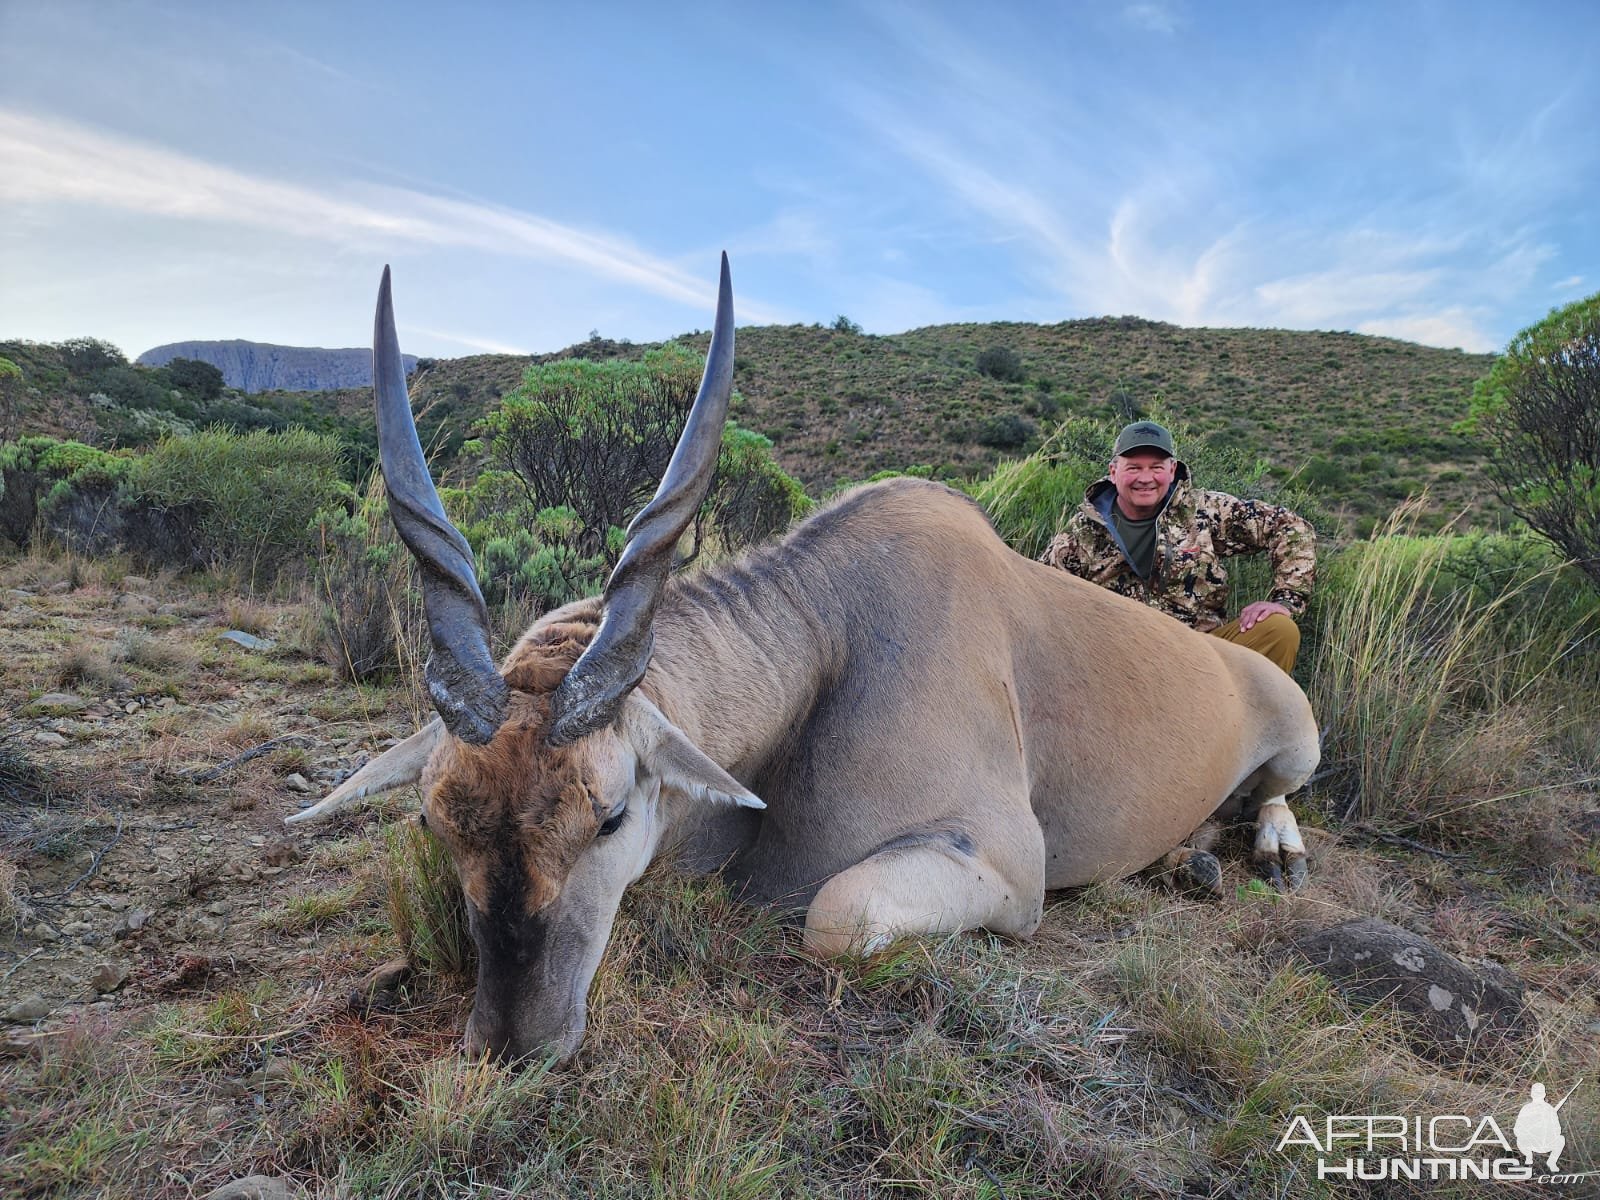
point(1275, 636)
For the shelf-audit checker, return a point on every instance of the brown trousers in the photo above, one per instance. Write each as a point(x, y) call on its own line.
point(1276, 636)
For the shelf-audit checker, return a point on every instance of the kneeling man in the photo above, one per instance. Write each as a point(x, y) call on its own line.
point(1143, 531)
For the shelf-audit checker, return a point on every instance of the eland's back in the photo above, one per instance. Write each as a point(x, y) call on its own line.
point(951, 686)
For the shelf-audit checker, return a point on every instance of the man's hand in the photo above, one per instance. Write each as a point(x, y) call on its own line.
point(1259, 611)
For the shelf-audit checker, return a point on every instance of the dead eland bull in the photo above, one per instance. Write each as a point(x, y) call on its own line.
point(937, 729)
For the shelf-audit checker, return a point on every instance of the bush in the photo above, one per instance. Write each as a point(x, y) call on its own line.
point(1002, 363)
point(199, 379)
point(1539, 408)
point(41, 476)
point(372, 620)
point(1004, 431)
point(580, 448)
point(843, 324)
point(243, 502)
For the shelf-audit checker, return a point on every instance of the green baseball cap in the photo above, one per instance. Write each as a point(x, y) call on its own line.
point(1144, 435)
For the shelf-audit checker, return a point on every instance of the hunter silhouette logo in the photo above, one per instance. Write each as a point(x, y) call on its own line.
point(1538, 1128)
point(1451, 1146)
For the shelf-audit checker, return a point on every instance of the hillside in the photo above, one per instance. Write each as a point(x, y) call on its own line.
point(1363, 420)
point(262, 367)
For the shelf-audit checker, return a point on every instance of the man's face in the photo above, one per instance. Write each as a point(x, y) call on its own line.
point(1142, 478)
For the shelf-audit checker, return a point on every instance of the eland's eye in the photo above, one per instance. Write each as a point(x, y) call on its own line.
point(612, 823)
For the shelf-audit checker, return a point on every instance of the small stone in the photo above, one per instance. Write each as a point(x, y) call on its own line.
point(248, 640)
point(108, 977)
point(281, 854)
point(166, 702)
point(131, 707)
point(115, 902)
point(34, 1008)
point(43, 933)
point(47, 738)
point(76, 928)
point(297, 783)
point(255, 1187)
point(58, 703)
point(218, 908)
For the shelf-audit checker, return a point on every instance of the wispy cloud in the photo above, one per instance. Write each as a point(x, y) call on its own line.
point(1456, 327)
point(470, 342)
point(1152, 16)
point(51, 161)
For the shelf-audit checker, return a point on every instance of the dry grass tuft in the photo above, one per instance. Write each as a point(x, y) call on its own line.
point(171, 660)
point(249, 615)
point(88, 665)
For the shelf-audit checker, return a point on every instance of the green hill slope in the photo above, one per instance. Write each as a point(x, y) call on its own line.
point(1363, 420)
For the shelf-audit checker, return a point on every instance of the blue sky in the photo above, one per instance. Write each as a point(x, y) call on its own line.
point(169, 171)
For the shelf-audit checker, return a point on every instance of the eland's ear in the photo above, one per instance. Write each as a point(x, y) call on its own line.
point(666, 752)
point(394, 768)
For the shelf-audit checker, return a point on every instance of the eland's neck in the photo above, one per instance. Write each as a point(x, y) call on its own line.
point(742, 652)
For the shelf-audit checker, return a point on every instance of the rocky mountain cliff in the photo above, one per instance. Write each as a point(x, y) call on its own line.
point(260, 367)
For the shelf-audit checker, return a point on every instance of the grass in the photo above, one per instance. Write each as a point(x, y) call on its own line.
point(1423, 680)
point(312, 911)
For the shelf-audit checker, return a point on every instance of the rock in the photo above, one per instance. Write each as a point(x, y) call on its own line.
point(281, 854)
point(256, 1187)
point(275, 1070)
point(46, 738)
point(134, 582)
point(297, 783)
point(34, 1008)
point(1451, 1009)
point(57, 704)
point(108, 977)
point(136, 602)
point(378, 987)
point(248, 640)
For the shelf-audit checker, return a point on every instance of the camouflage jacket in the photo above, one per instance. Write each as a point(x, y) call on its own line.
point(1196, 531)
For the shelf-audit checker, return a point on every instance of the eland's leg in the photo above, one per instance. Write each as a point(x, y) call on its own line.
point(1191, 868)
point(1279, 849)
point(936, 880)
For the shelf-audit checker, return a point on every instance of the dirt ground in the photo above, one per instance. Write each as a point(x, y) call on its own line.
point(150, 853)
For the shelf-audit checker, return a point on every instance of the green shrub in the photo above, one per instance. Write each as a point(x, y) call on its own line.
point(41, 475)
point(372, 620)
point(1004, 431)
point(1002, 363)
point(245, 502)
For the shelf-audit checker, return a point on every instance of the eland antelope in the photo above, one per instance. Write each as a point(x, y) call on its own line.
point(886, 720)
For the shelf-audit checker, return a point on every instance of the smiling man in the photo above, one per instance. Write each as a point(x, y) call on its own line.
point(1145, 532)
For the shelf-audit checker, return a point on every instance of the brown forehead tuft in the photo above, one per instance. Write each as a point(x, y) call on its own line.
point(517, 799)
point(542, 657)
